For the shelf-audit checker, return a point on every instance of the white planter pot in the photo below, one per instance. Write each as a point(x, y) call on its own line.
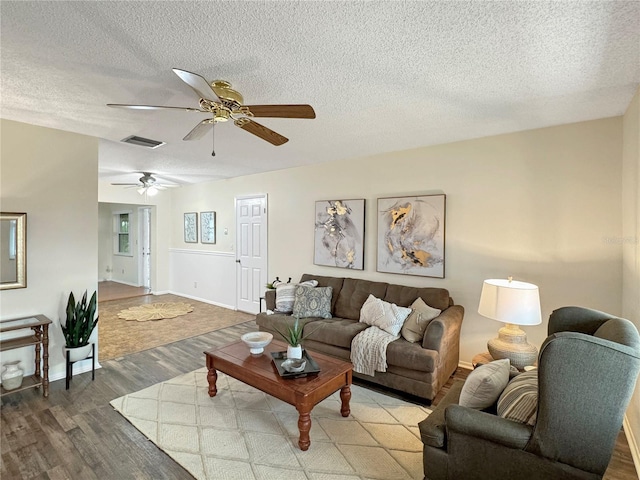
point(77, 353)
point(294, 352)
point(12, 375)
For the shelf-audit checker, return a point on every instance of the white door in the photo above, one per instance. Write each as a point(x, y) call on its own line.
point(144, 269)
point(251, 251)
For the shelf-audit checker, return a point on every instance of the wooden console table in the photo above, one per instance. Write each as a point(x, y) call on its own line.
point(39, 324)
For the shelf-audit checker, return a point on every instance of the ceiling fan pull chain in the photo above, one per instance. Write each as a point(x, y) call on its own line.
point(213, 139)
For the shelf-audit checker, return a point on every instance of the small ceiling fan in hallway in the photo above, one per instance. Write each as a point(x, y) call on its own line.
point(148, 185)
point(224, 103)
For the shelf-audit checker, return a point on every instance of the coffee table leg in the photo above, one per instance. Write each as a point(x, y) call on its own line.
point(304, 426)
point(345, 396)
point(212, 377)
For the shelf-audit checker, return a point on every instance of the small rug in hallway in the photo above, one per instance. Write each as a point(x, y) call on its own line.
point(242, 433)
point(155, 311)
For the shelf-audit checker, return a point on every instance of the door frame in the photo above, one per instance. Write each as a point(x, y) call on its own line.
point(265, 237)
point(142, 245)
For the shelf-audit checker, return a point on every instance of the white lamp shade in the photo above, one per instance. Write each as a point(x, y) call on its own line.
point(510, 302)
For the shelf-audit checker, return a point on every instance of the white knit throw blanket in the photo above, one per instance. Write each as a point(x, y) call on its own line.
point(369, 350)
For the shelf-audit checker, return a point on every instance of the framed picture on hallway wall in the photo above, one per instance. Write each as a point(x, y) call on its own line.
point(208, 227)
point(339, 233)
point(411, 235)
point(191, 227)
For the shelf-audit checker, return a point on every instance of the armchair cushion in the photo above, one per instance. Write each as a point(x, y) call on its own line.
point(485, 384)
point(519, 401)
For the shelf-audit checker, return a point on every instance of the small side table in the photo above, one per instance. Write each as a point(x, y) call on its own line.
point(481, 359)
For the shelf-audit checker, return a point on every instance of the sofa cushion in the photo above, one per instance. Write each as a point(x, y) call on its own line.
point(277, 321)
point(353, 295)
point(312, 302)
point(418, 321)
point(412, 356)
point(485, 384)
point(334, 331)
point(519, 400)
point(334, 282)
point(384, 315)
point(405, 296)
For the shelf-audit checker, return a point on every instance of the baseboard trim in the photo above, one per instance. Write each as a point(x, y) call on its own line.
point(466, 365)
point(634, 447)
point(204, 300)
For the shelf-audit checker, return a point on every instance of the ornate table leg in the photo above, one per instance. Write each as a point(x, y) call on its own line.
point(304, 426)
point(45, 360)
point(345, 396)
point(37, 332)
point(212, 377)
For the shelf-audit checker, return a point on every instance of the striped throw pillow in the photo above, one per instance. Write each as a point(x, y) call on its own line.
point(519, 400)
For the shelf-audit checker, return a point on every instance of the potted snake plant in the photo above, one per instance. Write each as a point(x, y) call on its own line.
point(80, 322)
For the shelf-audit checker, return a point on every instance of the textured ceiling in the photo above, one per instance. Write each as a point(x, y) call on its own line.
point(382, 76)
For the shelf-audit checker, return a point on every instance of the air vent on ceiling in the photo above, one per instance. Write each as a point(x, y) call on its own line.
point(142, 142)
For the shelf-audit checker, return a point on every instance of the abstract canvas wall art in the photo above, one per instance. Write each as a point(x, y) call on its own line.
point(411, 235)
point(191, 227)
point(339, 233)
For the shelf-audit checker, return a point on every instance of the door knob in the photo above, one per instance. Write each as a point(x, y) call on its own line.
point(238, 261)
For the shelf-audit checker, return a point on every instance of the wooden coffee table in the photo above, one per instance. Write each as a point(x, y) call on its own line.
point(260, 372)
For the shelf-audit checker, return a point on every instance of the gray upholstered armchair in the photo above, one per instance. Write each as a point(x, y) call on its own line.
point(587, 370)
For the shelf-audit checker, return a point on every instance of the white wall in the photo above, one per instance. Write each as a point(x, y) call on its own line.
point(630, 241)
point(541, 205)
point(161, 228)
point(52, 176)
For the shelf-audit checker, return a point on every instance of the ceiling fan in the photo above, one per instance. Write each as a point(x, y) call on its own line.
point(224, 103)
point(148, 185)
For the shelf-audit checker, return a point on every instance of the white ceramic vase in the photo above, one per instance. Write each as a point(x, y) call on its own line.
point(77, 353)
point(294, 352)
point(12, 375)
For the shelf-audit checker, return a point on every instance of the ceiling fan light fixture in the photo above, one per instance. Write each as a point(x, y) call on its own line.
point(151, 191)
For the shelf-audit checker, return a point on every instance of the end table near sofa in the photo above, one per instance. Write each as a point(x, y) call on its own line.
point(481, 359)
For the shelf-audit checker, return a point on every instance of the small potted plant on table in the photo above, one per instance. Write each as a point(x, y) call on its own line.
point(294, 337)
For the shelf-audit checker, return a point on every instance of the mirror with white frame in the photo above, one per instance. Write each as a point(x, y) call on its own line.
point(13, 250)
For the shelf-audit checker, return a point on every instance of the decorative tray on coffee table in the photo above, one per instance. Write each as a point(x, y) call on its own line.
point(311, 367)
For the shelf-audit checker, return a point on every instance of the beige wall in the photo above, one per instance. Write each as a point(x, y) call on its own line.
point(52, 176)
point(542, 205)
point(631, 249)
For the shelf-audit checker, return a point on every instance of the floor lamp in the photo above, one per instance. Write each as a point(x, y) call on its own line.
point(514, 303)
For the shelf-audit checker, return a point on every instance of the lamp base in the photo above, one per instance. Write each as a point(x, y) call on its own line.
point(512, 344)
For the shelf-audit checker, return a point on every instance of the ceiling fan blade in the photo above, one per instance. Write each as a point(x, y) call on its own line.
point(200, 130)
point(198, 83)
point(127, 184)
point(282, 111)
point(261, 131)
point(153, 107)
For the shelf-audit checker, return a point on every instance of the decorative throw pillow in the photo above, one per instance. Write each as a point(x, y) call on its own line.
point(418, 321)
point(485, 384)
point(312, 302)
point(384, 315)
point(285, 295)
point(519, 400)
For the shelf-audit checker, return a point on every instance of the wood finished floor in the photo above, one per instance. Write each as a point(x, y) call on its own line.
point(76, 434)
point(108, 291)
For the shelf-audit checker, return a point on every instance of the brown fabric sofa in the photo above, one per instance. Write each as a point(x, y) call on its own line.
point(419, 369)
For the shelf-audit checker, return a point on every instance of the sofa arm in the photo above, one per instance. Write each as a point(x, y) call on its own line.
point(444, 329)
point(270, 299)
point(474, 423)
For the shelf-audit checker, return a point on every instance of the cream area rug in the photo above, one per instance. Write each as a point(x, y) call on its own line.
point(242, 433)
point(155, 311)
